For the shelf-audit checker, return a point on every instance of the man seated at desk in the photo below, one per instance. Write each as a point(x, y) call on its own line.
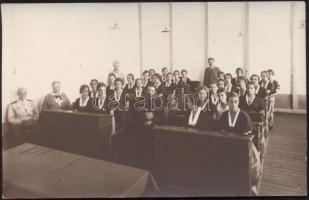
point(56, 100)
point(237, 121)
point(22, 116)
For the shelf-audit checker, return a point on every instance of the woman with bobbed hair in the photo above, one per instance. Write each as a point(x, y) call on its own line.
point(84, 102)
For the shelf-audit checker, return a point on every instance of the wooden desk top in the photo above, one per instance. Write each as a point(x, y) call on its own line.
point(194, 131)
point(44, 172)
point(70, 112)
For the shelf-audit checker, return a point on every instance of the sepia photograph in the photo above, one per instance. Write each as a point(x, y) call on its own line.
point(153, 99)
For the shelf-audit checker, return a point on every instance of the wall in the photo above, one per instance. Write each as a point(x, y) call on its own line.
point(225, 40)
point(74, 43)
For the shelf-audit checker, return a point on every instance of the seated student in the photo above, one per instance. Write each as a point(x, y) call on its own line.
point(184, 77)
point(239, 74)
point(148, 109)
point(222, 104)
point(198, 115)
point(179, 85)
point(251, 102)
point(259, 91)
point(117, 104)
point(273, 87)
point(94, 88)
point(151, 72)
point(169, 85)
point(242, 86)
point(146, 79)
point(237, 121)
point(213, 97)
point(264, 83)
point(56, 100)
point(100, 103)
point(111, 84)
point(228, 84)
point(221, 84)
point(84, 102)
point(129, 88)
point(160, 88)
point(221, 75)
point(137, 95)
point(164, 73)
point(22, 116)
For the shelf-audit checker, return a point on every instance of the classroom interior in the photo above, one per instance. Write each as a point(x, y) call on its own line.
point(76, 42)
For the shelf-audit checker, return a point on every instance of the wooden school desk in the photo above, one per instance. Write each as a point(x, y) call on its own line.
point(209, 162)
point(87, 134)
point(31, 171)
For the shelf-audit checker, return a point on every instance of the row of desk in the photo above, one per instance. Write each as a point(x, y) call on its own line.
point(209, 162)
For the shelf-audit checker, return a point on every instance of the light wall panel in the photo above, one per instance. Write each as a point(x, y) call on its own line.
point(155, 17)
point(226, 40)
point(188, 38)
point(270, 41)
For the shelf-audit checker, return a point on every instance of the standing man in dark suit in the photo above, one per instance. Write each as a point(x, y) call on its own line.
point(211, 73)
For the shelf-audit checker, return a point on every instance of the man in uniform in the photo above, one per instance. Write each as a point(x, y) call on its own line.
point(22, 116)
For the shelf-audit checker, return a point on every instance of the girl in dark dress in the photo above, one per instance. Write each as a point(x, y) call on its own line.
point(129, 88)
point(259, 91)
point(228, 84)
point(160, 88)
point(111, 84)
point(198, 115)
point(242, 87)
point(84, 102)
point(169, 85)
point(100, 103)
point(94, 88)
point(237, 121)
point(117, 104)
point(251, 102)
point(273, 88)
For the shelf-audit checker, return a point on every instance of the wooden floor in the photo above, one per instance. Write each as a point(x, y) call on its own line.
point(285, 165)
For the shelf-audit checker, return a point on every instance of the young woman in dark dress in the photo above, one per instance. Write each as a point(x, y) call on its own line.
point(100, 103)
point(238, 122)
point(84, 102)
point(251, 102)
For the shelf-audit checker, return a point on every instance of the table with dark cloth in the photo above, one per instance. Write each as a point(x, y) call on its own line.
point(31, 171)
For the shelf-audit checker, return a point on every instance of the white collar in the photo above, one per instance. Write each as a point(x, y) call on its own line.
point(93, 96)
point(219, 107)
point(215, 101)
point(229, 88)
point(138, 93)
point(81, 104)
point(158, 85)
point(130, 86)
point(232, 124)
point(247, 100)
point(193, 120)
point(265, 84)
point(117, 99)
point(101, 103)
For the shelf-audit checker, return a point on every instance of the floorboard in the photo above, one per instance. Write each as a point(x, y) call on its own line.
point(285, 165)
